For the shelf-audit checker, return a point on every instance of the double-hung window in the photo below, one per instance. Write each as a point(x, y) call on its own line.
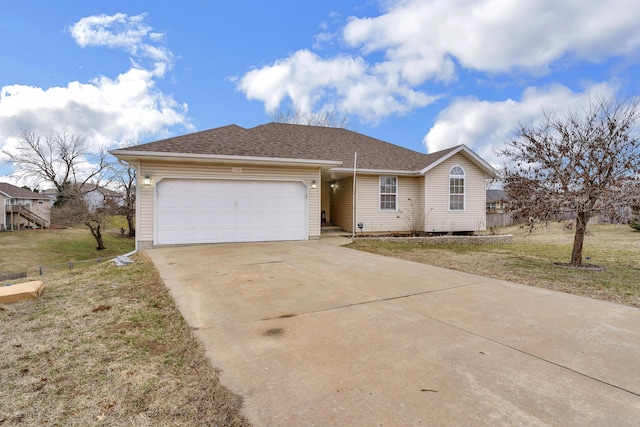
point(456, 189)
point(388, 193)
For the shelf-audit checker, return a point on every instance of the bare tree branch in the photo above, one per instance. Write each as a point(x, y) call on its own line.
point(61, 160)
point(64, 161)
point(124, 178)
point(324, 118)
point(584, 164)
point(76, 211)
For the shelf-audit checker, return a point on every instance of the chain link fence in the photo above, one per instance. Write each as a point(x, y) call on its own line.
point(43, 270)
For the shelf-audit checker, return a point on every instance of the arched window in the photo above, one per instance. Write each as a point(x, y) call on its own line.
point(456, 189)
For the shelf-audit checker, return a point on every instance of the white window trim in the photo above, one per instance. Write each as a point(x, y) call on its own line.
point(380, 193)
point(464, 189)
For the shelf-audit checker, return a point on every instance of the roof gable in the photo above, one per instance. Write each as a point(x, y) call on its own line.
point(465, 151)
point(290, 141)
point(92, 187)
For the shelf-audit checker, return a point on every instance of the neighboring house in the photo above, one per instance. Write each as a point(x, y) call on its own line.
point(280, 181)
point(497, 201)
point(23, 208)
point(51, 194)
point(96, 196)
point(100, 197)
point(498, 211)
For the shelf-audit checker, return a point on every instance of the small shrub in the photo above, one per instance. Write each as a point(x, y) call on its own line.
point(635, 219)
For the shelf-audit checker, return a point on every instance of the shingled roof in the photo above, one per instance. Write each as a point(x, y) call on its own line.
point(289, 141)
point(496, 195)
point(18, 192)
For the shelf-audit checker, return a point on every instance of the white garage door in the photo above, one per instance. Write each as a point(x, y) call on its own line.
point(216, 211)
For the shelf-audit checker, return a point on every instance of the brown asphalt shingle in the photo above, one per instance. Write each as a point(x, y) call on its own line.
point(18, 192)
point(496, 195)
point(288, 141)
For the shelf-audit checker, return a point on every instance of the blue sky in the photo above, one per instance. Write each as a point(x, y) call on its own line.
point(424, 74)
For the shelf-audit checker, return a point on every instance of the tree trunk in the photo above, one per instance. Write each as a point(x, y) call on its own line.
point(582, 218)
point(95, 231)
point(132, 230)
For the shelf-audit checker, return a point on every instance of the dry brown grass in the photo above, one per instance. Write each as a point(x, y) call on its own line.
point(107, 346)
point(530, 260)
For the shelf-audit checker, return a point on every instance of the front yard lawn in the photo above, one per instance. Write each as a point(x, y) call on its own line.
point(530, 260)
point(107, 346)
point(26, 250)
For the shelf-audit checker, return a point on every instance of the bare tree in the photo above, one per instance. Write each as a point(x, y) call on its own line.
point(584, 164)
point(76, 210)
point(59, 159)
point(64, 161)
point(124, 179)
point(329, 119)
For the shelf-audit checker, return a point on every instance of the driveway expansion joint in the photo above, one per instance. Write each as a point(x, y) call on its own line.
point(257, 263)
point(355, 304)
point(533, 355)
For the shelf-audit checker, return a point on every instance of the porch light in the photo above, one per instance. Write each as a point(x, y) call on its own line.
point(314, 184)
point(333, 184)
point(147, 180)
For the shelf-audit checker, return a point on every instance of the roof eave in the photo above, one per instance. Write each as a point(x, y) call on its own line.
point(13, 196)
point(129, 155)
point(378, 171)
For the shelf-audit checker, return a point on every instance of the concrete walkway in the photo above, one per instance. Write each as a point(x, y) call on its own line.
point(314, 334)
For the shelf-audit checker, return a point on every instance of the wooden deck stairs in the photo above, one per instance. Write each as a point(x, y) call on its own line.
point(27, 214)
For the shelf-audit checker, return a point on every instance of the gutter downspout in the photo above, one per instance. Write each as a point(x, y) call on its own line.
point(355, 189)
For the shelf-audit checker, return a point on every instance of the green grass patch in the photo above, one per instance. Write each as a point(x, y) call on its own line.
point(82, 246)
point(117, 223)
point(26, 250)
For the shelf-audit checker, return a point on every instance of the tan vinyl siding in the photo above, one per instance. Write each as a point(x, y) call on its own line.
point(422, 198)
point(325, 205)
point(368, 204)
point(409, 202)
point(439, 217)
point(42, 208)
point(160, 170)
point(3, 219)
point(342, 204)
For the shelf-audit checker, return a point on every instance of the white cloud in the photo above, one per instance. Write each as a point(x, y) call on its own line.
point(125, 32)
point(414, 43)
point(494, 35)
point(309, 81)
point(484, 126)
point(106, 111)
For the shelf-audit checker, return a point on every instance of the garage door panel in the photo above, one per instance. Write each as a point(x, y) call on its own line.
point(215, 211)
point(209, 235)
point(208, 202)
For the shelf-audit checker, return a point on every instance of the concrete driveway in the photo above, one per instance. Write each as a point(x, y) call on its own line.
point(311, 333)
